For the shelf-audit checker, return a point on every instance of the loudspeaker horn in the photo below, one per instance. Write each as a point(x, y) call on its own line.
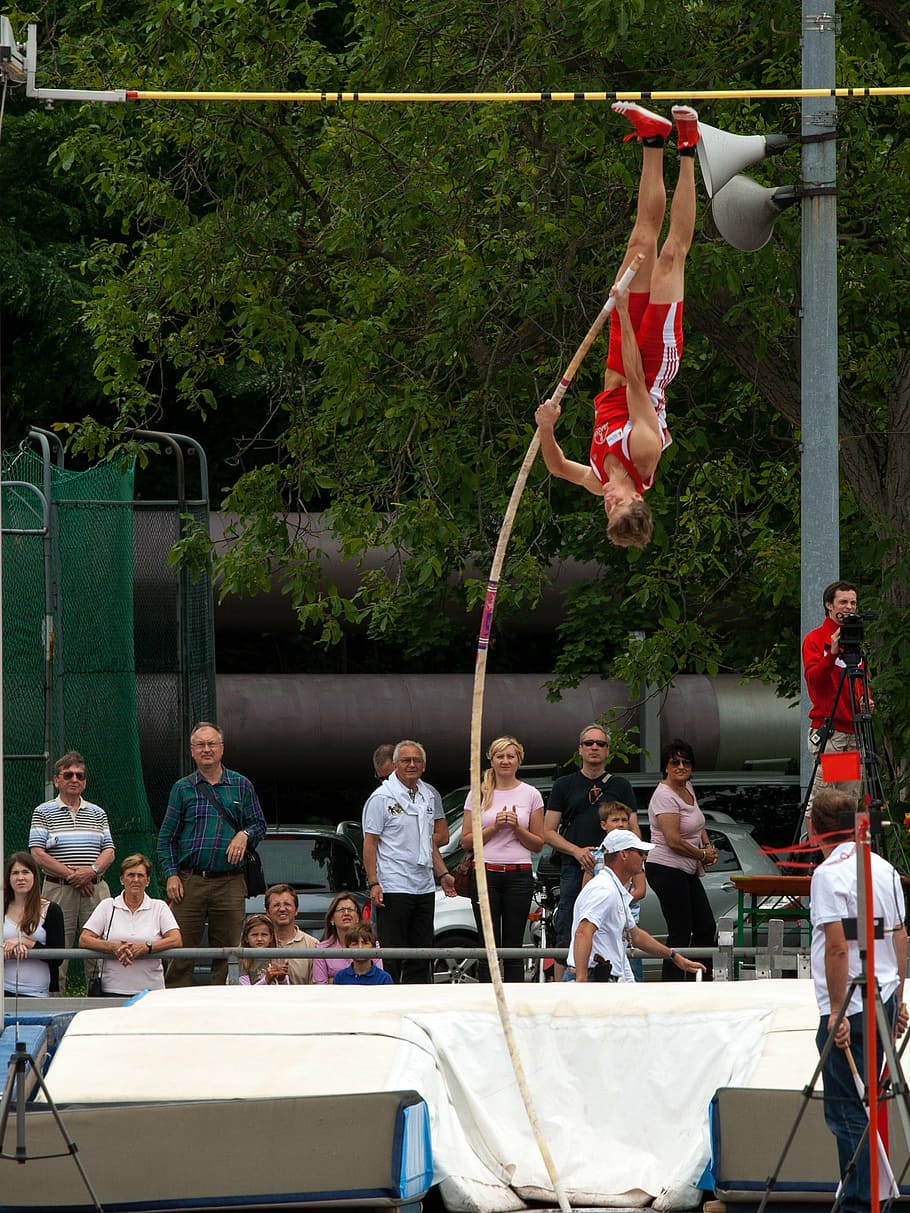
point(722, 155)
point(744, 212)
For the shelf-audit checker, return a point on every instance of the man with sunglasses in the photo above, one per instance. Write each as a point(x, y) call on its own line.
point(572, 822)
point(70, 839)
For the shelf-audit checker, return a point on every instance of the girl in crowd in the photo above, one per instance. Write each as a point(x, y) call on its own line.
point(512, 822)
point(30, 922)
point(259, 932)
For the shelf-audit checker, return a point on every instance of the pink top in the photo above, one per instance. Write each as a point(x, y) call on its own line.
point(691, 824)
point(246, 980)
point(503, 846)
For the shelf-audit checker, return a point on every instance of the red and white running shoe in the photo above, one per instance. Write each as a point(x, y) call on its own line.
point(686, 120)
point(646, 124)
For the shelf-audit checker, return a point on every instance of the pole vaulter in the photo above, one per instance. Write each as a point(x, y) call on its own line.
point(646, 340)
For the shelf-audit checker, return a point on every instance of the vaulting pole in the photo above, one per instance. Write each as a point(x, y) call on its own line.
point(480, 670)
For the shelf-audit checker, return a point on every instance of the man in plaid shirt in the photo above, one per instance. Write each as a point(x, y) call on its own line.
point(202, 851)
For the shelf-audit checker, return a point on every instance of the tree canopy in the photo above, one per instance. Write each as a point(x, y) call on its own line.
point(363, 304)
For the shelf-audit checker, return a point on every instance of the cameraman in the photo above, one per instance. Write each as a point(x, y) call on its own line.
point(823, 668)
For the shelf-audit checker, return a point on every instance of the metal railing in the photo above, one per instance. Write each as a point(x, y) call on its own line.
point(731, 962)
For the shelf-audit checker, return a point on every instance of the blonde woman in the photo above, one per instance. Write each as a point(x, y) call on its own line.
point(512, 821)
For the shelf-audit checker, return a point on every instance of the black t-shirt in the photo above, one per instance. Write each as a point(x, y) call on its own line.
point(575, 797)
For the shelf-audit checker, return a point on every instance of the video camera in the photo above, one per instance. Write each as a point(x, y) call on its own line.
point(852, 631)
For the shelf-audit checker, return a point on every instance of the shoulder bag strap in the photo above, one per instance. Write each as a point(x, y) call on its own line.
point(106, 935)
point(569, 816)
point(206, 788)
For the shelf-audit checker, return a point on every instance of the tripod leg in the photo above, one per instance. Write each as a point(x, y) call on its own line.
point(808, 1092)
point(18, 1068)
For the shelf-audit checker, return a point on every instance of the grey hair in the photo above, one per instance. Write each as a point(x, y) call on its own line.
point(594, 725)
point(415, 744)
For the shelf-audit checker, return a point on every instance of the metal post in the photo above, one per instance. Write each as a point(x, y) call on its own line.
point(819, 512)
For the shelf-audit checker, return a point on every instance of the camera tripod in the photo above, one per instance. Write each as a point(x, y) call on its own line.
point(14, 1094)
point(854, 681)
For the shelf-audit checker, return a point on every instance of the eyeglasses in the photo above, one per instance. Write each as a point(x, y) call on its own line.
point(205, 745)
point(345, 910)
point(80, 775)
point(411, 762)
point(594, 741)
point(679, 762)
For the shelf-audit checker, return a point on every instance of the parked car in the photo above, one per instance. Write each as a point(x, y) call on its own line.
point(768, 800)
point(317, 864)
point(737, 851)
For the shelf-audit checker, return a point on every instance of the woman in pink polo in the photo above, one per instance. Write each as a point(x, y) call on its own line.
point(512, 820)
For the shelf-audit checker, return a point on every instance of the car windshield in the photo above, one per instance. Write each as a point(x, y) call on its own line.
point(309, 863)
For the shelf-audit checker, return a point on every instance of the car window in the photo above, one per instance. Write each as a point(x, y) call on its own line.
point(310, 863)
point(772, 809)
point(727, 860)
point(771, 806)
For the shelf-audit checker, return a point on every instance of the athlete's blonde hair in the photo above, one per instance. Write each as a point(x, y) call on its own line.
point(633, 527)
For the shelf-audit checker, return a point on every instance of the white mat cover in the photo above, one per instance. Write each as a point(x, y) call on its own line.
point(621, 1075)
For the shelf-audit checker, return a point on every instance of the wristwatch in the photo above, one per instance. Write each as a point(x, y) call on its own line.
point(148, 946)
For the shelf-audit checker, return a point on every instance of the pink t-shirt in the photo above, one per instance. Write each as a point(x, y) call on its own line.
point(691, 824)
point(503, 846)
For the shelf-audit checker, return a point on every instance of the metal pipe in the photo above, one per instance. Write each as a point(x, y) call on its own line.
point(321, 728)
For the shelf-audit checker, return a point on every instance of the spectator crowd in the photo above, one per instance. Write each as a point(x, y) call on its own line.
point(214, 821)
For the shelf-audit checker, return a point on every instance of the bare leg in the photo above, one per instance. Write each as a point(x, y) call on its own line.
point(652, 205)
point(652, 131)
point(668, 279)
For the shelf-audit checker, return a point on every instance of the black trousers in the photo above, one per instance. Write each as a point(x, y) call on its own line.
point(405, 920)
point(510, 900)
point(687, 913)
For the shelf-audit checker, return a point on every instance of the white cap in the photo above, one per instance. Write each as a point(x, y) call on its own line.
point(625, 840)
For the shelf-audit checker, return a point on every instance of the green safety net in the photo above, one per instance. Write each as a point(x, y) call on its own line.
point(69, 677)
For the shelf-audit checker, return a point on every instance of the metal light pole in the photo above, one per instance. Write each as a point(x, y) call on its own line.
point(819, 510)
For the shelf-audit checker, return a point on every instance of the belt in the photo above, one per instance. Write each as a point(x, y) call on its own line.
point(208, 875)
point(507, 867)
point(60, 880)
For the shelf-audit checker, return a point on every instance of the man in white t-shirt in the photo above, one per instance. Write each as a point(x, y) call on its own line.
point(836, 963)
point(602, 922)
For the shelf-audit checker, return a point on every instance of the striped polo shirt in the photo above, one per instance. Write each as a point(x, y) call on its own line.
point(72, 838)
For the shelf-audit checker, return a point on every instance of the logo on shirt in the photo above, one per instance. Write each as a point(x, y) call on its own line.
point(395, 810)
